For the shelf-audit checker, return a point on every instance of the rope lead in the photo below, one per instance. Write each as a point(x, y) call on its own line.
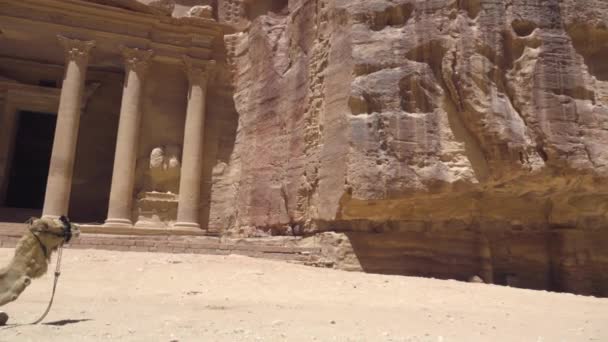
point(57, 274)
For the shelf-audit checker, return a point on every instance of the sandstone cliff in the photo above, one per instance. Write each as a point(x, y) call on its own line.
point(445, 138)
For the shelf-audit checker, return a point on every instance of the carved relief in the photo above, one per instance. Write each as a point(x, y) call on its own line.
point(231, 41)
point(204, 12)
point(166, 6)
point(199, 72)
point(77, 50)
point(136, 59)
point(231, 11)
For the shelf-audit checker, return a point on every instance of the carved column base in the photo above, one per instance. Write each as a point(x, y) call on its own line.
point(187, 226)
point(155, 210)
point(118, 223)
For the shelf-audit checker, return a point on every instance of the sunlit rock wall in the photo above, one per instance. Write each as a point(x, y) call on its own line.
point(445, 138)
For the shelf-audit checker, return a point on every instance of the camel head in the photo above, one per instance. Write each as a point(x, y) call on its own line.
point(52, 233)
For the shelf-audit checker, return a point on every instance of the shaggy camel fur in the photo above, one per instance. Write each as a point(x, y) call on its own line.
point(32, 256)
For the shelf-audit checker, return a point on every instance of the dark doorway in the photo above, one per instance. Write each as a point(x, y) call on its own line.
point(31, 159)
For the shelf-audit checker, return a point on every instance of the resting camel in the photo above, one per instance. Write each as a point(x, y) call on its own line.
point(32, 256)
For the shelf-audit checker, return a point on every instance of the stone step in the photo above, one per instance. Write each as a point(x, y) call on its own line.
point(282, 248)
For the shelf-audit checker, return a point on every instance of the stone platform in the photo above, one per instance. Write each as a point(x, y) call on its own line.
point(294, 249)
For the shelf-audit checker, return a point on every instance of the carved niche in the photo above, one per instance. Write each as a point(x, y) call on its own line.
point(156, 204)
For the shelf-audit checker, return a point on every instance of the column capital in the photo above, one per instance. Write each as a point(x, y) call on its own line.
point(75, 49)
point(199, 71)
point(136, 59)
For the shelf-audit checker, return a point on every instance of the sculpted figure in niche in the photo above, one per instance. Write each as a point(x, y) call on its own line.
point(157, 187)
point(164, 169)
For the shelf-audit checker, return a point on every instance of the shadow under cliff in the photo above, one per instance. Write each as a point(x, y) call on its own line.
point(561, 260)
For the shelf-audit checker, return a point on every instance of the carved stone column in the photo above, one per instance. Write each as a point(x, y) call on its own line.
point(188, 210)
point(123, 176)
point(59, 183)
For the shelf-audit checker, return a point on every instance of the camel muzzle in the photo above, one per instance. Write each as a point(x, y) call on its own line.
point(67, 229)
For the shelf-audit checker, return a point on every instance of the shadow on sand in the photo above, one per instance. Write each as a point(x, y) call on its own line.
point(59, 323)
point(67, 321)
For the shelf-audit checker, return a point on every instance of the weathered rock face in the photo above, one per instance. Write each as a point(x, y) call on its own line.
point(447, 138)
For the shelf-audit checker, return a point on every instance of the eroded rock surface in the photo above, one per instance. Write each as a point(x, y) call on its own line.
point(447, 138)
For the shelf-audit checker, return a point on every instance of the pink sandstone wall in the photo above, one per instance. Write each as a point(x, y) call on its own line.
point(446, 138)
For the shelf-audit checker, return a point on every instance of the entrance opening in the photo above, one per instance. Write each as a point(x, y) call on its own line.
point(31, 160)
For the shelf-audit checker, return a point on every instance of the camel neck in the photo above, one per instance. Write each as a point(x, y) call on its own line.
point(30, 257)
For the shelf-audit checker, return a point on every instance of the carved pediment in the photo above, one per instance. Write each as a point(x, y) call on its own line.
point(134, 5)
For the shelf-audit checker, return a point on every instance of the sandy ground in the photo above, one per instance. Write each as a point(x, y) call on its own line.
point(123, 296)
